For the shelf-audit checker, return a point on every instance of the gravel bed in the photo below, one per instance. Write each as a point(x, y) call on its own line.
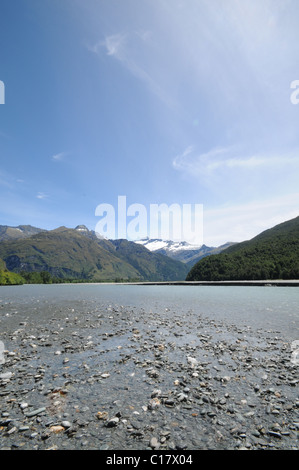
point(113, 377)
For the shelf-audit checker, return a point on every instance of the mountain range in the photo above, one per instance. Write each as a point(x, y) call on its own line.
point(79, 254)
point(181, 251)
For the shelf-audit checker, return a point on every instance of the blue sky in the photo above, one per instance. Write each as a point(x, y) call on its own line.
point(165, 101)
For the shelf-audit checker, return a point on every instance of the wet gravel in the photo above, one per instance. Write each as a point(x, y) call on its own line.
point(90, 375)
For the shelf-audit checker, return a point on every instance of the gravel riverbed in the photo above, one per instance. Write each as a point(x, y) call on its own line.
point(92, 376)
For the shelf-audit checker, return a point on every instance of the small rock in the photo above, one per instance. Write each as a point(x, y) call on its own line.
point(6, 375)
point(66, 424)
point(24, 428)
point(274, 434)
point(192, 361)
point(113, 422)
point(154, 403)
point(23, 406)
point(57, 429)
point(182, 397)
point(105, 376)
point(154, 443)
point(102, 415)
point(35, 412)
point(169, 402)
point(225, 379)
point(12, 430)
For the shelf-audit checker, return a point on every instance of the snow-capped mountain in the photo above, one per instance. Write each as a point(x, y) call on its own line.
point(157, 244)
point(181, 251)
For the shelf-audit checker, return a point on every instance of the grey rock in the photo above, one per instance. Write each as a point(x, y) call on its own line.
point(66, 424)
point(6, 376)
point(154, 443)
point(30, 414)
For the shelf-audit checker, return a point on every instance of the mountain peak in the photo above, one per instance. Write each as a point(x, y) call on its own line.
point(82, 228)
point(154, 244)
point(181, 250)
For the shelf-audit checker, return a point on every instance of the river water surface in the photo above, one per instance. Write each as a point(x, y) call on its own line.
point(275, 308)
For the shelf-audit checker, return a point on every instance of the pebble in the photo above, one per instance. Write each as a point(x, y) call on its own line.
point(30, 414)
point(57, 429)
point(154, 443)
point(6, 376)
point(112, 422)
point(66, 424)
point(23, 406)
point(169, 381)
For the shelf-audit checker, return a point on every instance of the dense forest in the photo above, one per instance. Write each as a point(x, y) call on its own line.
point(274, 254)
point(9, 279)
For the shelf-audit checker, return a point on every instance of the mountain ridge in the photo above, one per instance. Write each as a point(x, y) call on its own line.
point(78, 253)
point(21, 231)
point(272, 254)
point(182, 251)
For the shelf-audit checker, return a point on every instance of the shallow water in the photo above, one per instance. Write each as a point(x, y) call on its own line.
point(273, 308)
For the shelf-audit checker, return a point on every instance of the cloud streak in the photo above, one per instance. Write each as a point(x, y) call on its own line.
point(239, 222)
point(217, 159)
point(128, 49)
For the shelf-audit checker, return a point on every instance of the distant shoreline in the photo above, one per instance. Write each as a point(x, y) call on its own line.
point(263, 283)
point(266, 283)
point(270, 283)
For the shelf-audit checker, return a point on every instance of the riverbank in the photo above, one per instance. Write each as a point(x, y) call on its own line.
point(270, 283)
point(256, 283)
point(104, 376)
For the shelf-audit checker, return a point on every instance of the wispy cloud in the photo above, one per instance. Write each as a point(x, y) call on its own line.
point(217, 159)
point(229, 174)
point(132, 51)
point(115, 45)
point(239, 222)
point(192, 162)
point(58, 156)
point(8, 180)
point(42, 195)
